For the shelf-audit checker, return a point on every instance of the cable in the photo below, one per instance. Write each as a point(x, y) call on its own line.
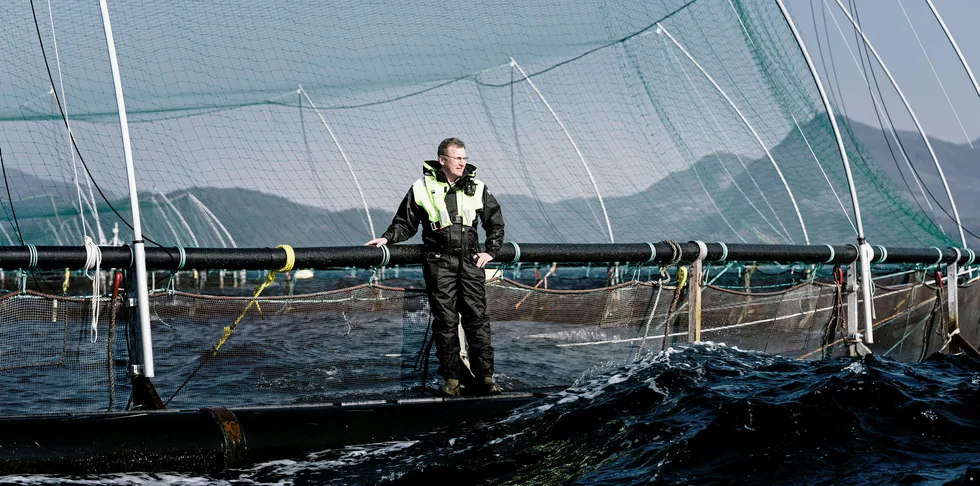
point(3, 166)
point(71, 135)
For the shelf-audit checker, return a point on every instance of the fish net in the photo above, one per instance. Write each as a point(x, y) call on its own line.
point(344, 336)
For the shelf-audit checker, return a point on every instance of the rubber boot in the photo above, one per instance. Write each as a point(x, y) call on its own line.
point(450, 389)
point(491, 387)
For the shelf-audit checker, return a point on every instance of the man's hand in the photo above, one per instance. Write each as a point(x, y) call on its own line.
point(482, 259)
point(377, 242)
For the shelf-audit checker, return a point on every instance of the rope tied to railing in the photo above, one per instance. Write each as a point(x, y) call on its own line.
point(93, 261)
point(269, 278)
point(675, 252)
point(228, 330)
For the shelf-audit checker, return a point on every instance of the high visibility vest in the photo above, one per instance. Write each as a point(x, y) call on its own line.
point(430, 195)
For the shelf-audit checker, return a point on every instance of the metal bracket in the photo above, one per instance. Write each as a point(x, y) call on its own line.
point(856, 347)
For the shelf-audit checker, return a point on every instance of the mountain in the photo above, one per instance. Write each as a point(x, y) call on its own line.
point(701, 202)
point(959, 163)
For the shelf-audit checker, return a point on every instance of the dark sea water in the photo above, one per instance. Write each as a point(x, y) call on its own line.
point(704, 414)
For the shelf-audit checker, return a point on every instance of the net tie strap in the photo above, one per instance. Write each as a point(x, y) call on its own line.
point(171, 283)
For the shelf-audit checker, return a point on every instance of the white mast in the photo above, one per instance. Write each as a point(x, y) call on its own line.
point(863, 254)
point(139, 252)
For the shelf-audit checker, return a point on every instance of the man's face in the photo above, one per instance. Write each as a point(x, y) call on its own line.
point(454, 162)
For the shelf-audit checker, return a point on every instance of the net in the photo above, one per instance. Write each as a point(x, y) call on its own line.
point(254, 125)
point(334, 338)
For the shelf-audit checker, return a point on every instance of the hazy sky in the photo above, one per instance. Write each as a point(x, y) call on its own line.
point(889, 31)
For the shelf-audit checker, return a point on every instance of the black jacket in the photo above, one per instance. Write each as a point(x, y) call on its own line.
point(455, 239)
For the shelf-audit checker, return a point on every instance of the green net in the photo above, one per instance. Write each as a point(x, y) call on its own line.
point(254, 125)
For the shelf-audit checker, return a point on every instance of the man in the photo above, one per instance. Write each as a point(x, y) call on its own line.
point(447, 201)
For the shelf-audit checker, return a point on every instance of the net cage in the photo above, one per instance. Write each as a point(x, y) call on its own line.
point(254, 123)
point(359, 334)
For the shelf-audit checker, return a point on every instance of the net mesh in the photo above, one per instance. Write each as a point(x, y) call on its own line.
point(255, 124)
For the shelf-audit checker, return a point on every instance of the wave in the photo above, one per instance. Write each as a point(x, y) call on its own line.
point(700, 414)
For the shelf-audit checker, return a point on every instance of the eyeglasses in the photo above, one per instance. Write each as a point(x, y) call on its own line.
point(464, 159)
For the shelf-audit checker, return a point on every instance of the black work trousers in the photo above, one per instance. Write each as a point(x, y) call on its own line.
point(457, 287)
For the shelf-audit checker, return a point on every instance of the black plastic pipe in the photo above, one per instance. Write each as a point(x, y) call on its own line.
point(57, 257)
point(211, 440)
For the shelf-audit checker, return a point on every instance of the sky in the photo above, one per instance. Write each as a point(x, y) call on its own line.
point(889, 31)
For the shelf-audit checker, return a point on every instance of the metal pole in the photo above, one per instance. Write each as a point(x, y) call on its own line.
point(915, 119)
point(952, 294)
point(694, 298)
point(138, 250)
point(862, 255)
point(745, 121)
point(595, 185)
point(343, 154)
point(852, 311)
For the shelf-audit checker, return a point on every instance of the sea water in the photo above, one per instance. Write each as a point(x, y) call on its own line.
point(700, 414)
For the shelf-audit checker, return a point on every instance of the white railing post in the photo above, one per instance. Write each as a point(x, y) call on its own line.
point(139, 252)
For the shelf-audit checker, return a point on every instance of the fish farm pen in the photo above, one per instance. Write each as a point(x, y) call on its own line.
point(188, 188)
point(245, 371)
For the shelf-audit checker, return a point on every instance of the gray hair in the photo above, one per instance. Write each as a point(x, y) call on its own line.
point(450, 142)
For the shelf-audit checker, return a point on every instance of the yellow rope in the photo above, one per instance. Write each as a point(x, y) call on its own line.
point(64, 285)
point(271, 277)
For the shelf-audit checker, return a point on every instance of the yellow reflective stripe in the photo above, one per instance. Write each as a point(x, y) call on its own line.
point(435, 204)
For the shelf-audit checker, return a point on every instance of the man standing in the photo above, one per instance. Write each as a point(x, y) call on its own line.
point(447, 201)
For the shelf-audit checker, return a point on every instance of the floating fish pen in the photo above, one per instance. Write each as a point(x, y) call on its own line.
point(152, 162)
point(271, 374)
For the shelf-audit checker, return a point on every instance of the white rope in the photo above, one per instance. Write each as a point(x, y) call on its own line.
point(595, 185)
point(64, 108)
point(949, 339)
point(646, 326)
point(745, 121)
point(93, 261)
point(343, 154)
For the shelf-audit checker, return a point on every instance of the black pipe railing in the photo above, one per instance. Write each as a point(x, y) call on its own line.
point(175, 258)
